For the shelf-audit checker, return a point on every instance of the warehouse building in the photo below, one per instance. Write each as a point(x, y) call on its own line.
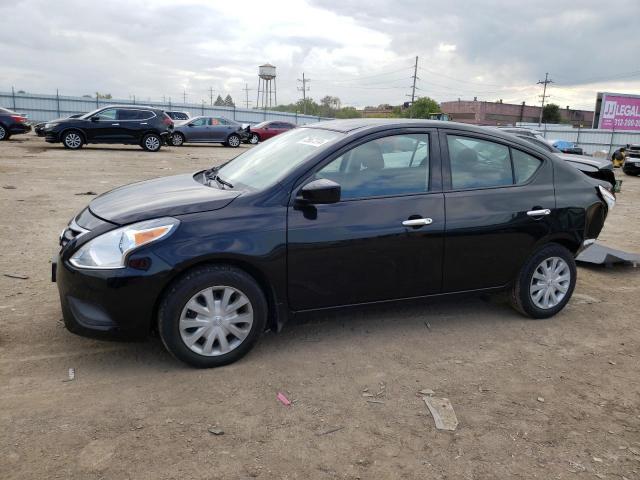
point(497, 113)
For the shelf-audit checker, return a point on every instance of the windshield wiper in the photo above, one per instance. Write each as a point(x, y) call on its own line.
point(212, 174)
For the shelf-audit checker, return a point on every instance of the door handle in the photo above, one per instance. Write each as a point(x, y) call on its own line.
point(539, 213)
point(144, 123)
point(417, 222)
point(115, 124)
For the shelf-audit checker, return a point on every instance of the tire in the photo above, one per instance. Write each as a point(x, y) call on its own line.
point(255, 138)
point(529, 295)
point(177, 139)
point(151, 142)
point(233, 141)
point(198, 288)
point(4, 134)
point(72, 139)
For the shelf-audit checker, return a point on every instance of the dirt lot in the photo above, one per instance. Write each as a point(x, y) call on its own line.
point(549, 399)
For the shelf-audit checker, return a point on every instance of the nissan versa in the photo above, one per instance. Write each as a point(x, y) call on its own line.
point(339, 213)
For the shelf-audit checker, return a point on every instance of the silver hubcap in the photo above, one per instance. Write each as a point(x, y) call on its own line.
point(152, 143)
point(254, 139)
point(234, 141)
point(550, 282)
point(72, 140)
point(216, 321)
point(177, 140)
point(2, 133)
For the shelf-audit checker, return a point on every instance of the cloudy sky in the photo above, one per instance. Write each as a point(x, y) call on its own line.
point(362, 52)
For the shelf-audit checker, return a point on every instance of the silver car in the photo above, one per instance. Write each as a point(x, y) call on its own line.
point(207, 130)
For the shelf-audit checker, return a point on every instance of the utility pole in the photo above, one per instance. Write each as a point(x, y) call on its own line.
point(246, 91)
point(544, 82)
point(304, 89)
point(211, 95)
point(184, 96)
point(413, 87)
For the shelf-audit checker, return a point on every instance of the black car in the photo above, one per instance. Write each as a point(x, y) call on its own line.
point(598, 168)
point(339, 213)
point(631, 165)
point(39, 127)
point(12, 123)
point(129, 125)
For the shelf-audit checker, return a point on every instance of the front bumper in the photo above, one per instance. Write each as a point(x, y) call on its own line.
point(631, 168)
point(51, 137)
point(113, 304)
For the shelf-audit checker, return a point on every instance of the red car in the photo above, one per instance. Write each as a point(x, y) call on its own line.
point(265, 130)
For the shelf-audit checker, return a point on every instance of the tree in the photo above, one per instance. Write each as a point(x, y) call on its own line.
point(551, 113)
point(228, 101)
point(329, 106)
point(421, 108)
point(106, 96)
point(219, 102)
point(348, 112)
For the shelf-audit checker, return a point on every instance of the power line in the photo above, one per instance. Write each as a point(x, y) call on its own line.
point(544, 82)
point(304, 90)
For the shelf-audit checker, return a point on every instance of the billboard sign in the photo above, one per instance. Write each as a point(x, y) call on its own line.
point(620, 112)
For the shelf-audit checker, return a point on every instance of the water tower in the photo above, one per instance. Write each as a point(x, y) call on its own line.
point(267, 86)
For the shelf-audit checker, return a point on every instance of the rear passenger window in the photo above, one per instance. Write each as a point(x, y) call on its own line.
point(478, 163)
point(394, 165)
point(524, 165)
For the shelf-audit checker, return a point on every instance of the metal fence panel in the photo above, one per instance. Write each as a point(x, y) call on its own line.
point(41, 108)
point(590, 139)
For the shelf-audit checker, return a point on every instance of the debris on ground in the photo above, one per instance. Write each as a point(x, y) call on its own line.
point(71, 375)
point(86, 193)
point(612, 362)
point(426, 391)
point(331, 430)
point(16, 276)
point(442, 412)
point(216, 430)
point(583, 299)
point(283, 399)
point(8, 187)
point(367, 394)
point(600, 255)
point(428, 325)
point(541, 399)
point(375, 401)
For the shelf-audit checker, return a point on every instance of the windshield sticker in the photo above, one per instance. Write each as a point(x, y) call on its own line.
point(313, 141)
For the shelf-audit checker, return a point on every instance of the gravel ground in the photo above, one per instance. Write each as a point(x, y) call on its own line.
point(552, 399)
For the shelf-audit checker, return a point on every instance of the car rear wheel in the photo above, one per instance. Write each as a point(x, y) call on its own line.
point(212, 316)
point(233, 140)
point(151, 142)
point(254, 139)
point(545, 283)
point(72, 140)
point(3, 133)
point(177, 139)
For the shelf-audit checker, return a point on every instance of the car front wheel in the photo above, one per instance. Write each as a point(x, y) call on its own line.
point(177, 139)
point(233, 140)
point(72, 140)
point(545, 283)
point(151, 142)
point(254, 139)
point(212, 316)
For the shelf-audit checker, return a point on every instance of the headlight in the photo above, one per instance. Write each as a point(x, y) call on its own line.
point(110, 249)
point(607, 196)
point(50, 125)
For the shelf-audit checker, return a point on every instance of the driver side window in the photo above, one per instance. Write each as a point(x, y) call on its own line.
point(107, 115)
point(393, 165)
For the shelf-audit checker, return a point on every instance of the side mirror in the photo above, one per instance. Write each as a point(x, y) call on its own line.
point(321, 191)
point(190, 125)
point(95, 118)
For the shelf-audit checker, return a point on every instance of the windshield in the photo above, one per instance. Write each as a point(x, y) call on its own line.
point(269, 162)
point(87, 115)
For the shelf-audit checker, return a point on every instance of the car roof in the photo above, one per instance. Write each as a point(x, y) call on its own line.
point(133, 107)
point(364, 124)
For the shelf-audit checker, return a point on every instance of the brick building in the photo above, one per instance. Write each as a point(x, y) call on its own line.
point(498, 113)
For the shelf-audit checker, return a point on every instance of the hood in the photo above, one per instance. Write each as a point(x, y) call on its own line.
point(585, 159)
point(161, 197)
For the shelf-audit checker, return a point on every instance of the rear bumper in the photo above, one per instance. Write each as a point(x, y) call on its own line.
point(631, 168)
point(18, 128)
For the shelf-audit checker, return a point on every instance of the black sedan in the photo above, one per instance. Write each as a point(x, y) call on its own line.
point(631, 165)
point(148, 127)
point(339, 213)
point(12, 123)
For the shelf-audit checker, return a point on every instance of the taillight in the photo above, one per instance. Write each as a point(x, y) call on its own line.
point(18, 118)
point(167, 120)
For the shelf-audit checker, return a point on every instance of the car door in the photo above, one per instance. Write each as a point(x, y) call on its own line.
point(103, 127)
point(196, 130)
point(500, 202)
point(384, 239)
point(133, 123)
